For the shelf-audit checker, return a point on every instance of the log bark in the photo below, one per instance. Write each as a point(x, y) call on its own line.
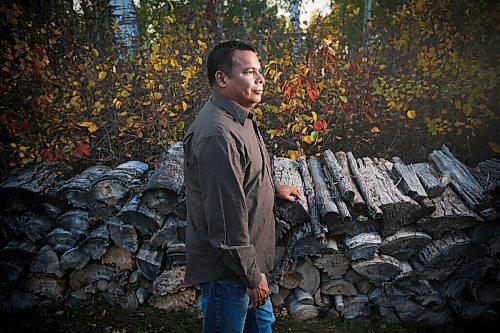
point(96, 244)
point(47, 285)
point(358, 205)
point(74, 258)
point(286, 172)
point(124, 235)
point(303, 297)
point(168, 235)
point(301, 311)
point(326, 206)
point(488, 174)
point(404, 243)
point(318, 229)
point(149, 261)
point(77, 190)
point(170, 282)
point(46, 261)
point(113, 186)
point(183, 300)
point(399, 210)
point(426, 173)
point(90, 274)
point(310, 275)
point(409, 181)
point(450, 214)
point(355, 307)
point(75, 220)
point(341, 182)
point(339, 202)
point(61, 240)
point(374, 211)
point(440, 259)
point(461, 178)
point(146, 220)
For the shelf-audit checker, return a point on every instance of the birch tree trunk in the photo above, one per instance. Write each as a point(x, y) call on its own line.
point(295, 18)
point(124, 12)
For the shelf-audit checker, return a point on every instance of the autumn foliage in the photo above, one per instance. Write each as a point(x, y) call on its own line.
point(430, 71)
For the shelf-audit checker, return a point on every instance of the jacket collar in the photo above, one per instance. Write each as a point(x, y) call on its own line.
point(233, 108)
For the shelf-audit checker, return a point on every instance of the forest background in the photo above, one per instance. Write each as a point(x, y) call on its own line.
point(103, 82)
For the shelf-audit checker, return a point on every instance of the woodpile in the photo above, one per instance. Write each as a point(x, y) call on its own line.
point(370, 238)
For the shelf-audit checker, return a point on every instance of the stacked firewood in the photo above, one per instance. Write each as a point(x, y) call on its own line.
point(368, 238)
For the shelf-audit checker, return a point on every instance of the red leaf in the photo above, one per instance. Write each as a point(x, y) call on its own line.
point(82, 150)
point(300, 80)
point(59, 154)
point(309, 84)
point(289, 92)
point(353, 66)
point(39, 51)
point(26, 125)
point(313, 94)
point(282, 84)
point(47, 154)
point(320, 125)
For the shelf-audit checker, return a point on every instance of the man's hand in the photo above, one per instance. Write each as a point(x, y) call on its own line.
point(259, 295)
point(287, 192)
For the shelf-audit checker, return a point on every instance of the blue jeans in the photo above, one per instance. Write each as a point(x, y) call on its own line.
point(224, 304)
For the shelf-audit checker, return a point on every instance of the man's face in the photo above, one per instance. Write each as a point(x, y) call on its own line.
point(246, 84)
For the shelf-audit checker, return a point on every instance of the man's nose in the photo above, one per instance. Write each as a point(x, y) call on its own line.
point(260, 78)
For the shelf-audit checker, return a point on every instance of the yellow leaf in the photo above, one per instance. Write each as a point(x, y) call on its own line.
point(92, 128)
point(293, 154)
point(23, 148)
point(102, 75)
point(236, 20)
point(458, 104)
point(356, 11)
point(375, 129)
point(475, 122)
point(467, 109)
point(315, 116)
point(174, 63)
point(118, 104)
point(184, 106)
point(391, 105)
point(95, 53)
point(342, 90)
point(157, 95)
point(382, 66)
point(495, 147)
point(86, 124)
point(411, 114)
point(307, 139)
point(13, 145)
point(155, 48)
point(157, 67)
point(202, 44)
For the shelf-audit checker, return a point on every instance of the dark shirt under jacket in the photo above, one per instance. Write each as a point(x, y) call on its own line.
point(230, 196)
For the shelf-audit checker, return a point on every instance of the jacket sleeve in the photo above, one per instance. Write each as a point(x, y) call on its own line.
point(221, 176)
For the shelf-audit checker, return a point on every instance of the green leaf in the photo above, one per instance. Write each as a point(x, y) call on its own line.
point(314, 135)
point(344, 99)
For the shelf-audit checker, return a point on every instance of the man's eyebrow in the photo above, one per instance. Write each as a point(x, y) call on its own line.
point(251, 67)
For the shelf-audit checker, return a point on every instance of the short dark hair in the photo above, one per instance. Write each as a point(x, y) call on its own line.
point(221, 58)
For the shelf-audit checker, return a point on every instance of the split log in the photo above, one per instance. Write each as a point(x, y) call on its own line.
point(142, 295)
point(96, 244)
point(318, 229)
point(176, 254)
point(439, 259)
point(128, 301)
point(36, 226)
point(62, 240)
point(310, 275)
point(409, 311)
point(290, 279)
point(146, 220)
point(75, 220)
point(301, 311)
point(336, 196)
point(20, 190)
point(339, 302)
point(149, 261)
point(408, 181)
point(89, 275)
point(338, 287)
point(381, 268)
point(303, 297)
point(46, 285)
point(167, 182)
point(388, 296)
point(46, 261)
point(461, 178)
point(374, 211)
point(170, 282)
point(74, 258)
point(77, 190)
point(488, 174)
point(10, 274)
point(286, 172)
point(278, 298)
point(341, 182)
point(323, 302)
point(404, 243)
point(363, 246)
point(312, 246)
point(118, 258)
point(450, 214)
point(427, 176)
point(357, 203)
point(113, 186)
point(124, 235)
point(355, 307)
point(183, 300)
point(167, 236)
point(326, 206)
point(399, 210)
point(335, 265)
point(281, 228)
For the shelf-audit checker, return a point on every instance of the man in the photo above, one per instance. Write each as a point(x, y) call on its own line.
point(230, 197)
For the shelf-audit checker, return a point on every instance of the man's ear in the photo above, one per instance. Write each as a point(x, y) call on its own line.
point(220, 79)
